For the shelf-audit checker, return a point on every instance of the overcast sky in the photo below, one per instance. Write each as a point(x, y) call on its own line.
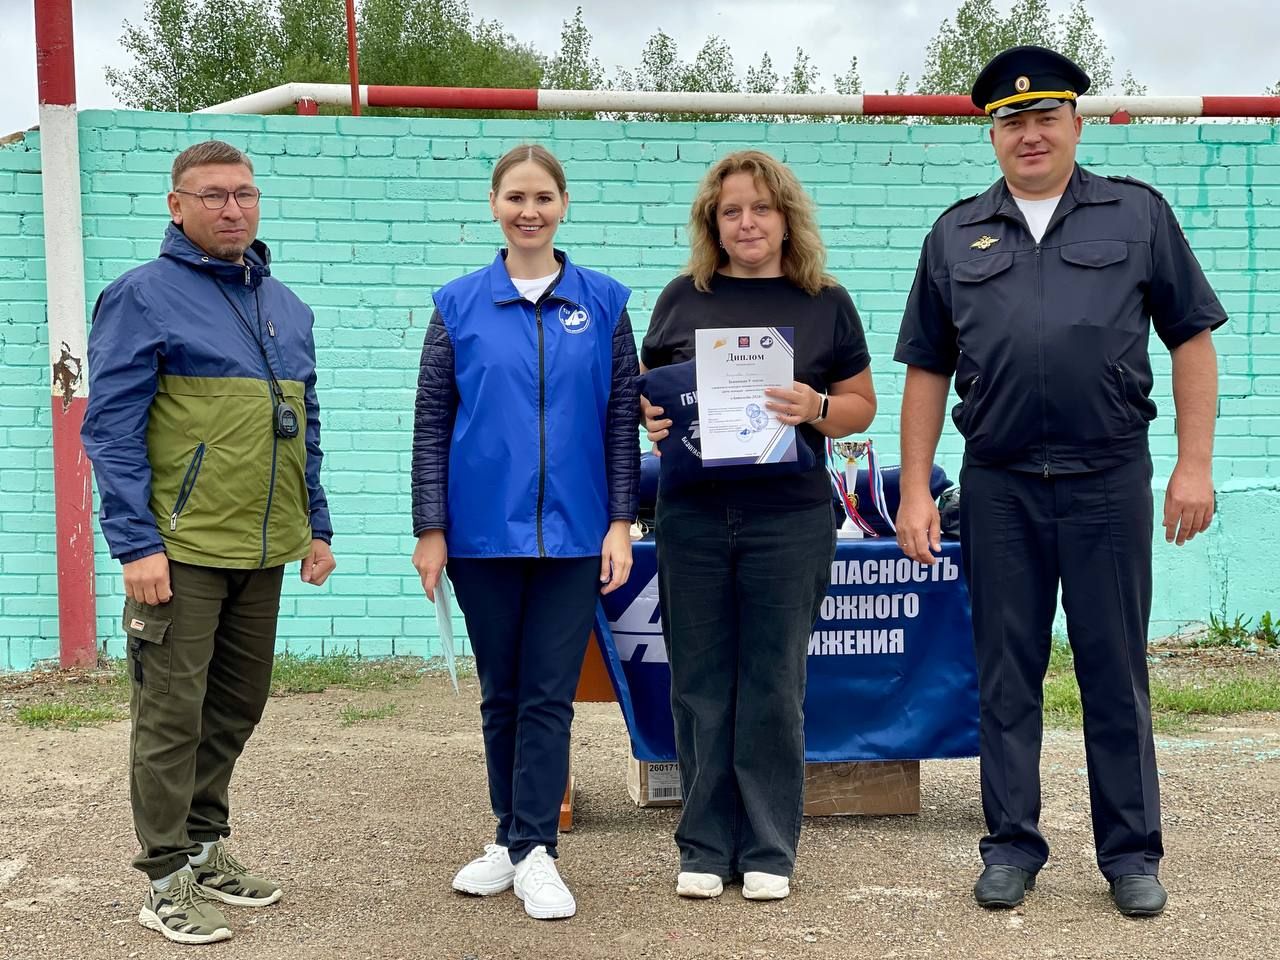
point(1175, 47)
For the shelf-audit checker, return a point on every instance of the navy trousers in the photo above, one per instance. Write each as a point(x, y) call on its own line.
point(1022, 535)
point(528, 620)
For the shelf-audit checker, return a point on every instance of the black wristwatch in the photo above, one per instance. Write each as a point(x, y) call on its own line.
point(822, 410)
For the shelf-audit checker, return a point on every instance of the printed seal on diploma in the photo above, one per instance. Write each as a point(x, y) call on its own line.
point(734, 366)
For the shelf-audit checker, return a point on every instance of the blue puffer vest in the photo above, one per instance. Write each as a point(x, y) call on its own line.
point(540, 389)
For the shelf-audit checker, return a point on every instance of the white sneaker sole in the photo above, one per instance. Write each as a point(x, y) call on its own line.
point(481, 889)
point(695, 892)
point(548, 913)
point(767, 893)
point(152, 922)
point(236, 901)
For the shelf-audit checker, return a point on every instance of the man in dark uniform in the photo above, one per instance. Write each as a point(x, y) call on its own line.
point(1038, 295)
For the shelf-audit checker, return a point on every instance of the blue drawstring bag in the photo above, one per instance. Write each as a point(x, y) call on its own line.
point(674, 388)
point(892, 477)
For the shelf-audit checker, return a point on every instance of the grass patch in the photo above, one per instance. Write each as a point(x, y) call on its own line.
point(294, 674)
point(74, 699)
point(352, 715)
point(1240, 632)
point(1236, 691)
point(1174, 702)
point(67, 715)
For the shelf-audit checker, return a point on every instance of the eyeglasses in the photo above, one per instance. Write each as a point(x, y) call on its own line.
point(246, 198)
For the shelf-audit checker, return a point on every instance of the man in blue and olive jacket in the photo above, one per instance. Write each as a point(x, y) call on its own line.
point(204, 432)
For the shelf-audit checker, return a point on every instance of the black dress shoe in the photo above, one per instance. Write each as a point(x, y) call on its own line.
point(1138, 895)
point(1002, 886)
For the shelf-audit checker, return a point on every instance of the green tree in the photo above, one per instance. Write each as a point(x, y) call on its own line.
point(573, 67)
point(712, 69)
point(311, 41)
point(762, 78)
point(436, 43)
point(803, 77)
point(1079, 40)
point(662, 70)
point(659, 69)
point(963, 45)
point(849, 83)
point(190, 54)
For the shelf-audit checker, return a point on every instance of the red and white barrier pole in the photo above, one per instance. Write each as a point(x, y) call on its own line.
point(68, 339)
point(763, 104)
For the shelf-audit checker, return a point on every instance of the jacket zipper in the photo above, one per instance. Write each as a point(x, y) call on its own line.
point(970, 397)
point(188, 486)
point(275, 440)
point(542, 422)
point(1044, 413)
point(1124, 391)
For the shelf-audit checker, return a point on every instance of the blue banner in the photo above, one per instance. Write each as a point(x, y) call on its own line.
point(891, 670)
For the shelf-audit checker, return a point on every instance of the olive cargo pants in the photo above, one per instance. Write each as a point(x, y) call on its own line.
point(200, 671)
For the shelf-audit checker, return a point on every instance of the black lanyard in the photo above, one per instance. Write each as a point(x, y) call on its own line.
point(256, 336)
point(284, 420)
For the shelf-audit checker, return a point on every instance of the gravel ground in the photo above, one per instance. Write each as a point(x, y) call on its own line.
point(365, 825)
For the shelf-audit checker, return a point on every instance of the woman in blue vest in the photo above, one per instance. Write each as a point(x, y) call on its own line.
point(744, 563)
point(525, 482)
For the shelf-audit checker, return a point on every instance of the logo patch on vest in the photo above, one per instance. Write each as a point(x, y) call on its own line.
point(574, 319)
point(984, 242)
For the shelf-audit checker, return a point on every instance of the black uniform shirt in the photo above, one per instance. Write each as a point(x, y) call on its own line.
point(1048, 340)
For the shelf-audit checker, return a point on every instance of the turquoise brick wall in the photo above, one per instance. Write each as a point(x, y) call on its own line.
point(366, 216)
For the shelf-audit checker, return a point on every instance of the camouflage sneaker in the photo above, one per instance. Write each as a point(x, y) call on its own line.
point(225, 878)
point(183, 913)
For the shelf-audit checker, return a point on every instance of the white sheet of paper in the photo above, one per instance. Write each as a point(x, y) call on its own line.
point(734, 365)
point(444, 622)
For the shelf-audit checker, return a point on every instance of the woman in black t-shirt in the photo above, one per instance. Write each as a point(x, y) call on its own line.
point(744, 564)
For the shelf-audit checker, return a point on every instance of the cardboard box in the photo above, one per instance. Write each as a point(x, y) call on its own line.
point(653, 784)
point(830, 789)
point(865, 789)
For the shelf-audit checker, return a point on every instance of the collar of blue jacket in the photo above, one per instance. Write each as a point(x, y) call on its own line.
point(178, 246)
point(567, 287)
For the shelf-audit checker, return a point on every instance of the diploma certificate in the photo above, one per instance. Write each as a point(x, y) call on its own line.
point(734, 365)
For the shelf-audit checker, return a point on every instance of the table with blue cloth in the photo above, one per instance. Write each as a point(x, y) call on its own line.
point(891, 668)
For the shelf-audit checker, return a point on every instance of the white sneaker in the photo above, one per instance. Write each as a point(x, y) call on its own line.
point(539, 885)
point(486, 875)
point(764, 886)
point(698, 886)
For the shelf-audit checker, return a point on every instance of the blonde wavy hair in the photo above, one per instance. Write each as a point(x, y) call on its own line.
point(804, 258)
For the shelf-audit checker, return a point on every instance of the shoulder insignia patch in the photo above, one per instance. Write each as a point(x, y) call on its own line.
point(1137, 183)
point(959, 203)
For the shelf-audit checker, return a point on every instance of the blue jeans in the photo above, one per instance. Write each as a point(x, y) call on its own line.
point(740, 589)
point(528, 621)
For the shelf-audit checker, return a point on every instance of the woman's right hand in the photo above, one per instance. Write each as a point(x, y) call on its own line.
point(429, 558)
point(654, 422)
